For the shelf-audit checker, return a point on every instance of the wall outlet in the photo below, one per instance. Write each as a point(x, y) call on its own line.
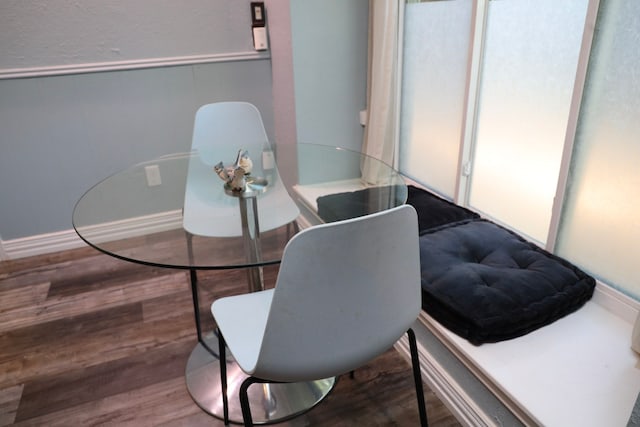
point(268, 160)
point(153, 175)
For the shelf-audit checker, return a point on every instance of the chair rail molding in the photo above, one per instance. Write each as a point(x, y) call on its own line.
point(133, 64)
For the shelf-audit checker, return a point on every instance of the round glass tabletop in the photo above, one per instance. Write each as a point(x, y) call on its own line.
point(190, 211)
point(174, 211)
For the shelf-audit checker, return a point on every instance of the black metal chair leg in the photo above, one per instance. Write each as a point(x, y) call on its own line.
point(193, 280)
point(417, 377)
point(244, 401)
point(292, 225)
point(244, 387)
point(223, 377)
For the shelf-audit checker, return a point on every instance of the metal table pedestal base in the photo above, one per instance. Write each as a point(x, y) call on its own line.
point(270, 403)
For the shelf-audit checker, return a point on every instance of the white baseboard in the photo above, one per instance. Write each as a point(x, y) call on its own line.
point(41, 244)
point(68, 239)
point(3, 253)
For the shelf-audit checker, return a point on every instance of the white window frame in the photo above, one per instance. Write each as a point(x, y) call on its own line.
point(469, 122)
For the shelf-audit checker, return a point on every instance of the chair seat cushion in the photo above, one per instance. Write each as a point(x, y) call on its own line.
point(488, 284)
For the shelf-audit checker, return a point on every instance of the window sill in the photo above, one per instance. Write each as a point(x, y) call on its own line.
point(308, 195)
point(580, 370)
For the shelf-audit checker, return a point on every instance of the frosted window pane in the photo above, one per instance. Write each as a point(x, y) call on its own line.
point(530, 60)
point(600, 228)
point(436, 49)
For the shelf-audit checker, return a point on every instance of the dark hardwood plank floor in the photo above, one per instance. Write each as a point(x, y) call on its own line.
point(86, 339)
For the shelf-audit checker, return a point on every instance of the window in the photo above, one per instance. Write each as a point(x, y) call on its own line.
point(529, 65)
point(491, 134)
point(436, 48)
point(600, 224)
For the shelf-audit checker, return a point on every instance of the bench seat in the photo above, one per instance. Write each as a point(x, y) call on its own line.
point(577, 369)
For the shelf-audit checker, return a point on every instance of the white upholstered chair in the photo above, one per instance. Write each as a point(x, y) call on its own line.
point(220, 130)
point(345, 293)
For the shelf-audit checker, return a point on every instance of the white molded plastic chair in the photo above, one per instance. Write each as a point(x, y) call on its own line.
point(345, 293)
point(220, 130)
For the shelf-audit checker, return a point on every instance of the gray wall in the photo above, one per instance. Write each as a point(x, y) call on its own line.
point(65, 129)
point(62, 133)
point(329, 41)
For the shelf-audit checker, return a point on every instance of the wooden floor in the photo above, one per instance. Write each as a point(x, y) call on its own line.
point(86, 339)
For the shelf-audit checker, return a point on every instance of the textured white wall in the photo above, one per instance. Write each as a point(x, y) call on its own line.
point(42, 33)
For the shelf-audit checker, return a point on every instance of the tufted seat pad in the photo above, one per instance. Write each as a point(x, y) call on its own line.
point(488, 284)
point(340, 206)
point(434, 211)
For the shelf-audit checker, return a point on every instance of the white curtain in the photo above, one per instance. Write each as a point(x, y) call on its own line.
point(382, 106)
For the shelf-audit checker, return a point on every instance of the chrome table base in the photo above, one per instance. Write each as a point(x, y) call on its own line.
point(270, 403)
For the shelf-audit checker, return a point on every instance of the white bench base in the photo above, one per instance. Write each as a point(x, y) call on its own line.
point(578, 371)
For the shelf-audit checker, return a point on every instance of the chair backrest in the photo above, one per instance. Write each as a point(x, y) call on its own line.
point(346, 291)
point(220, 130)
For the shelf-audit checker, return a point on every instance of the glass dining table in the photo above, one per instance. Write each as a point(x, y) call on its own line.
point(162, 205)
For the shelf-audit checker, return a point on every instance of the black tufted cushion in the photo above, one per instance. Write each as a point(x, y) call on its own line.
point(487, 284)
point(339, 206)
point(434, 211)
